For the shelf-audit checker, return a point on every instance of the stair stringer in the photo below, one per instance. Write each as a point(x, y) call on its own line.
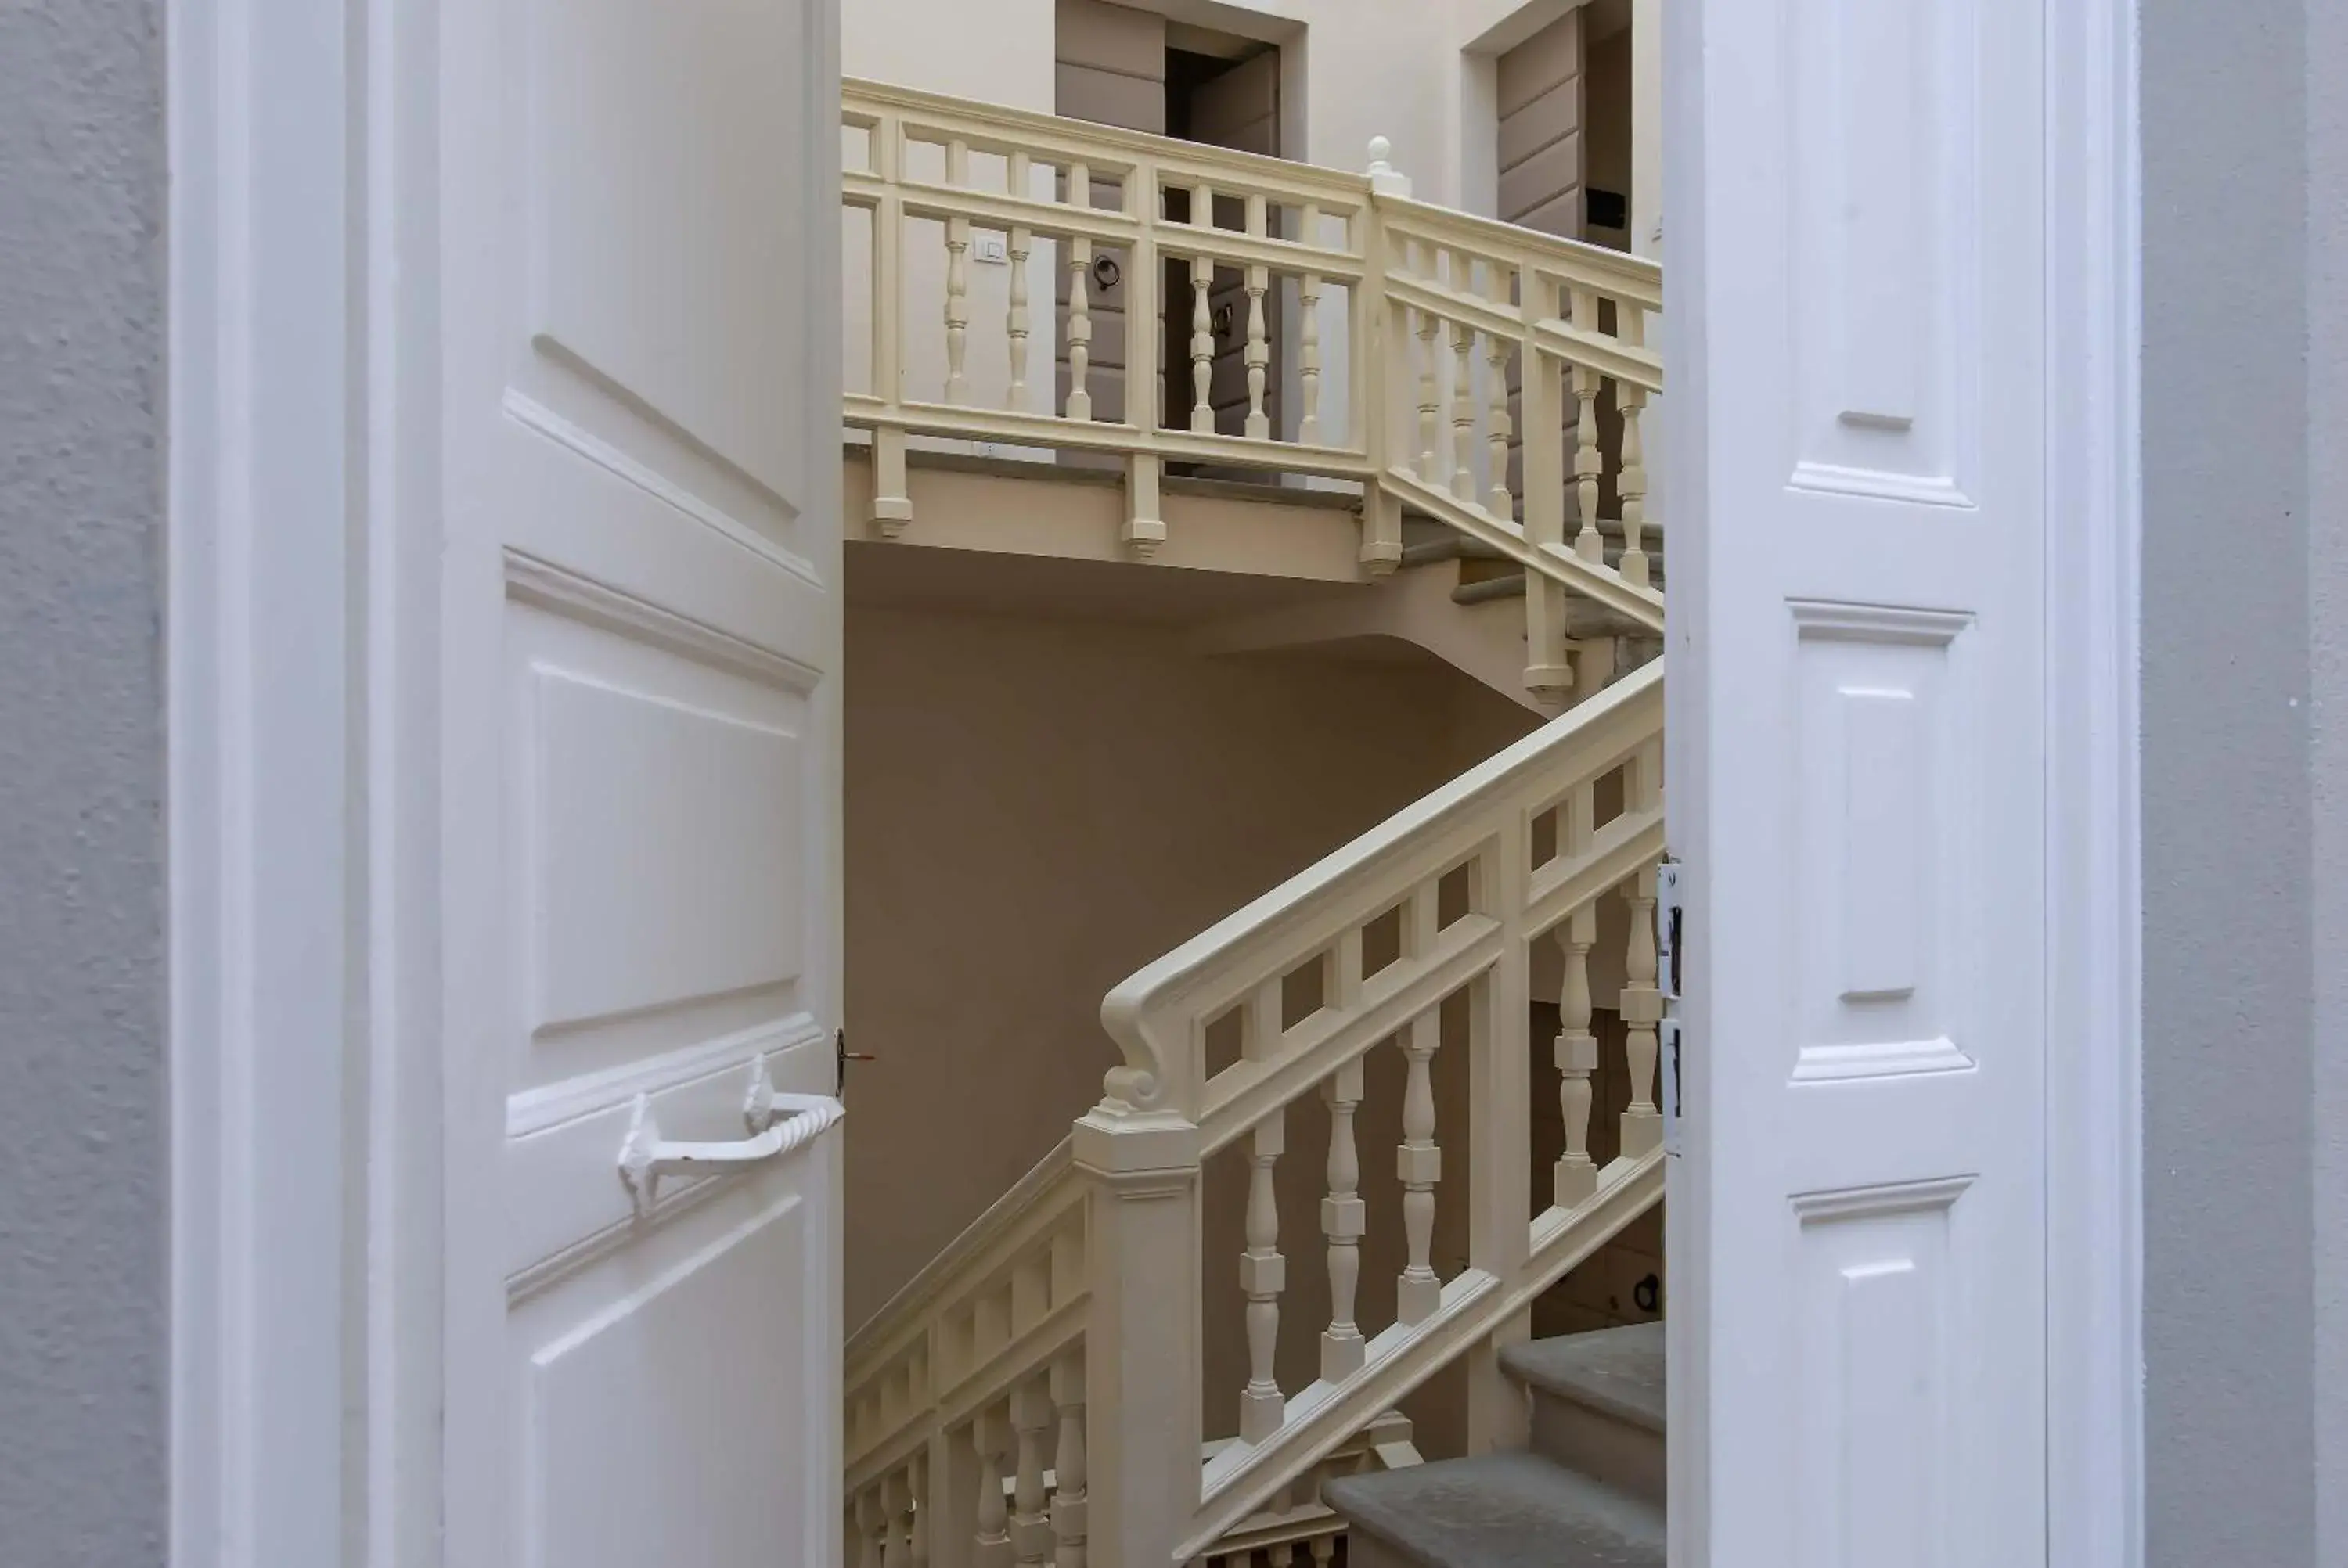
point(1485, 643)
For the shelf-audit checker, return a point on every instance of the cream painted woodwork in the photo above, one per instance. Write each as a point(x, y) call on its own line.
point(1438, 311)
point(640, 638)
point(1859, 756)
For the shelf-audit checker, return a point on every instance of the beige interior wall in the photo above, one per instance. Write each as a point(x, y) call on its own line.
point(1034, 810)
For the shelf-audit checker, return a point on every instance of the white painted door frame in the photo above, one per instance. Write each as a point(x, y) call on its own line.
point(299, 617)
point(2094, 906)
point(302, 570)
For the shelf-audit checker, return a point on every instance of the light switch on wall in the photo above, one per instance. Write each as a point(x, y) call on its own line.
point(988, 247)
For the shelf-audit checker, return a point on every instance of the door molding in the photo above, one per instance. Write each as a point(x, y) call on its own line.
point(2095, 911)
point(300, 544)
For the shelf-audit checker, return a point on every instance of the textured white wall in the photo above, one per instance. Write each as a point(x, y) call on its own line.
point(83, 1136)
point(2245, 769)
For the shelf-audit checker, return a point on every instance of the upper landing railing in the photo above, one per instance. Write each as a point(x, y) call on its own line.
point(1098, 295)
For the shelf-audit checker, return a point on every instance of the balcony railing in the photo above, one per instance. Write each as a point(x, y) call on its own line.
point(1086, 294)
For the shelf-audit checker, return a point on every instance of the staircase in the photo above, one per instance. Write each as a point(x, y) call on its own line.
point(1586, 1493)
point(1061, 1384)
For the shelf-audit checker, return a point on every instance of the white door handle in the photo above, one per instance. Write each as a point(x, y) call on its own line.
point(779, 1123)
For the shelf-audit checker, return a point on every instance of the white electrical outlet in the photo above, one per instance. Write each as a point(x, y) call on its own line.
point(986, 247)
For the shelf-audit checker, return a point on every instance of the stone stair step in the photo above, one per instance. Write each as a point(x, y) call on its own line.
point(1489, 589)
point(1496, 1511)
point(1599, 1403)
point(1450, 547)
point(1430, 544)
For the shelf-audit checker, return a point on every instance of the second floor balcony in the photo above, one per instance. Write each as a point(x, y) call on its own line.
point(1024, 288)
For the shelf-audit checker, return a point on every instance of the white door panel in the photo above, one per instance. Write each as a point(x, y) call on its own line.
point(640, 653)
point(675, 1405)
point(1857, 746)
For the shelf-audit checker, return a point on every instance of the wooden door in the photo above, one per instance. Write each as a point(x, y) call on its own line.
point(640, 757)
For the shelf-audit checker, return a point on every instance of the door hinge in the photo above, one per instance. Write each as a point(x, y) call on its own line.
point(1670, 944)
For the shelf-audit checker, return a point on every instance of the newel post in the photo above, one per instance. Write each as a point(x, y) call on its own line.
point(1142, 1358)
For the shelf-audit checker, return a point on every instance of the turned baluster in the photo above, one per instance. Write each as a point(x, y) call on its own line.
point(917, 1526)
point(872, 1528)
point(957, 277)
point(992, 1439)
point(1463, 410)
point(1258, 346)
point(1080, 320)
point(1429, 426)
point(1203, 320)
point(1258, 355)
point(1068, 1502)
point(1341, 1216)
point(1031, 1524)
point(1022, 242)
point(896, 1521)
point(1643, 1004)
point(1325, 1550)
point(1497, 498)
point(1587, 463)
point(1631, 482)
point(1577, 1049)
point(1419, 1166)
point(1308, 338)
point(1263, 1273)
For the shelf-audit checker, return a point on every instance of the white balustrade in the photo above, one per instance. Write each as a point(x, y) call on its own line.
point(957, 278)
point(1631, 479)
point(1032, 1420)
point(1015, 325)
point(1433, 279)
point(1498, 434)
point(1576, 1176)
point(1430, 409)
point(1343, 1221)
point(1418, 1165)
point(916, 1523)
point(1080, 318)
point(1642, 1008)
point(1068, 1510)
point(993, 1548)
point(1263, 1275)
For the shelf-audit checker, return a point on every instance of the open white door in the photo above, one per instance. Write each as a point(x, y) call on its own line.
point(640, 637)
point(1856, 752)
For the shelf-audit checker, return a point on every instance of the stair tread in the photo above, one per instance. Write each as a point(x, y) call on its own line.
point(1617, 1370)
point(1510, 1510)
